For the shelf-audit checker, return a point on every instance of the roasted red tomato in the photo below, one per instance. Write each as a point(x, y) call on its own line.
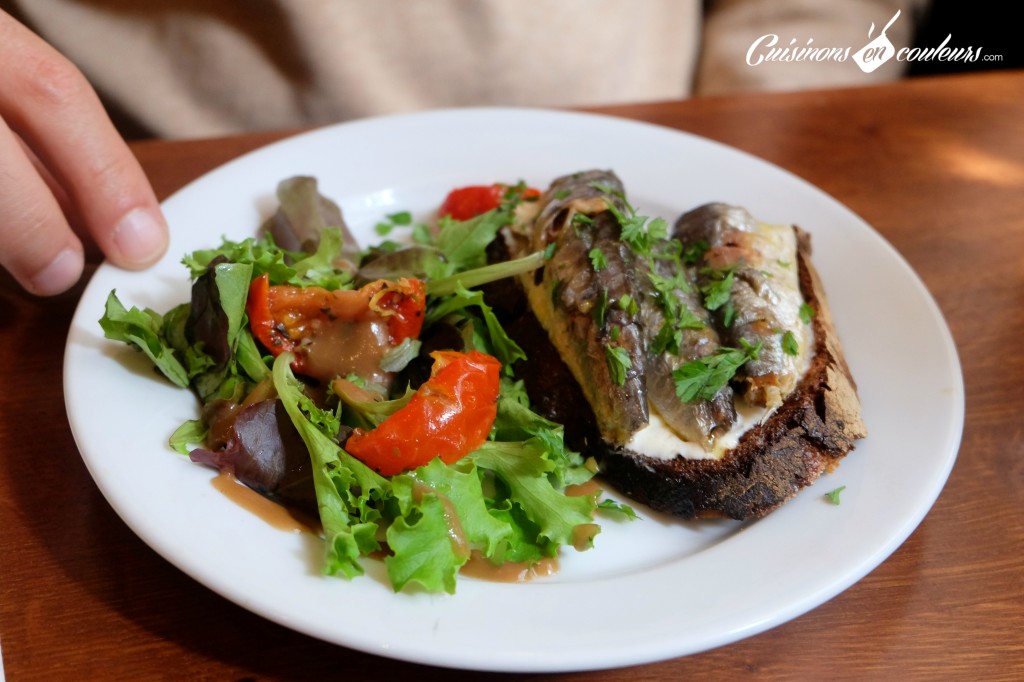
point(448, 417)
point(283, 316)
point(468, 202)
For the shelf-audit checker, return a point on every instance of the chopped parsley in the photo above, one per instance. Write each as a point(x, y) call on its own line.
point(789, 344)
point(665, 286)
point(702, 379)
point(668, 340)
point(400, 218)
point(718, 290)
point(601, 308)
point(833, 495)
point(728, 314)
point(393, 220)
point(607, 189)
point(618, 363)
point(639, 232)
point(629, 304)
point(806, 313)
point(678, 316)
point(598, 259)
point(693, 253)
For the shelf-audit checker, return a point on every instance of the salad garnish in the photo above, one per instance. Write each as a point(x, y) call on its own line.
point(373, 388)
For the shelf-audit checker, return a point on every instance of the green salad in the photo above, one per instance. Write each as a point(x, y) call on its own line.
point(374, 388)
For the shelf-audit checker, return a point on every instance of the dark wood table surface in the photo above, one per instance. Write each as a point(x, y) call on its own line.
point(936, 165)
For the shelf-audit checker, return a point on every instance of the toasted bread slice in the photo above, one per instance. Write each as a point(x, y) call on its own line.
point(817, 424)
point(815, 427)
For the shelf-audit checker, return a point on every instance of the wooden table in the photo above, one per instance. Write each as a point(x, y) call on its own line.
point(937, 166)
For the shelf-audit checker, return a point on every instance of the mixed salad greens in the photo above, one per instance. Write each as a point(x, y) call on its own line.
point(374, 388)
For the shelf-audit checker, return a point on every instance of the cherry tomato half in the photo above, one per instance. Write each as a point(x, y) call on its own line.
point(448, 417)
point(468, 202)
point(282, 316)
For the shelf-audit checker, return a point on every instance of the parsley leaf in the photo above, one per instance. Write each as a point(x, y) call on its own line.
point(400, 218)
point(598, 259)
point(668, 339)
point(833, 495)
point(628, 304)
point(728, 314)
point(717, 291)
point(601, 308)
point(618, 363)
point(701, 379)
point(789, 344)
point(806, 313)
point(393, 220)
point(694, 252)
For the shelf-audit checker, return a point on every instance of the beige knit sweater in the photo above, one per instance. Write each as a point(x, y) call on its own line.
point(209, 67)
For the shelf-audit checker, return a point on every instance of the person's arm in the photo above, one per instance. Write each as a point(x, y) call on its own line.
point(836, 31)
point(64, 170)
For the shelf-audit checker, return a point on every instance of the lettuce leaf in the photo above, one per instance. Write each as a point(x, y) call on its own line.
point(281, 266)
point(346, 489)
point(461, 483)
point(420, 540)
point(496, 342)
point(143, 330)
point(524, 467)
point(504, 500)
point(464, 242)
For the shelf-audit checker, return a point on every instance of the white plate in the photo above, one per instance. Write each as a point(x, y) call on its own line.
point(649, 590)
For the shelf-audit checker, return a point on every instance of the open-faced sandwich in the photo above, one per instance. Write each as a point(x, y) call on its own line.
point(698, 361)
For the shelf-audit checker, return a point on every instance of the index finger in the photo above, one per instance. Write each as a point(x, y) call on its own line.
point(50, 105)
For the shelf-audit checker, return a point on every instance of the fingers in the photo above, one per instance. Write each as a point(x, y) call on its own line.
point(47, 102)
point(39, 249)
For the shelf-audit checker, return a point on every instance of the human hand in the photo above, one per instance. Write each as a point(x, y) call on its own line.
point(65, 173)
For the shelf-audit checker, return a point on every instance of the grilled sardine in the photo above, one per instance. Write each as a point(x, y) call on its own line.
point(681, 331)
point(584, 294)
point(748, 275)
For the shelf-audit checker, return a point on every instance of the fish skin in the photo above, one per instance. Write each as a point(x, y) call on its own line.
point(698, 421)
point(731, 234)
point(566, 297)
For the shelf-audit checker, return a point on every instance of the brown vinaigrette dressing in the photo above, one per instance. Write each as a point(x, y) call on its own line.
point(591, 487)
point(341, 347)
point(481, 568)
point(477, 566)
point(271, 512)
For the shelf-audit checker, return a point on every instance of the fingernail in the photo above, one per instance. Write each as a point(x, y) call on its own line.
point(60, 275)
point(140, 238)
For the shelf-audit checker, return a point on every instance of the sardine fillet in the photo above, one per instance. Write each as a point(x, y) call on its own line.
point(808, 434)
point(577, 301)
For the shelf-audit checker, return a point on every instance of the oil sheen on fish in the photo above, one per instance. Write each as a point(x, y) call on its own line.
point(753, 266)
point(582, 296)
point(692, 338)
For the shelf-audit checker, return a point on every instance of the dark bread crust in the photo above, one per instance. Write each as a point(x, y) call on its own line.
point(814, 428)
